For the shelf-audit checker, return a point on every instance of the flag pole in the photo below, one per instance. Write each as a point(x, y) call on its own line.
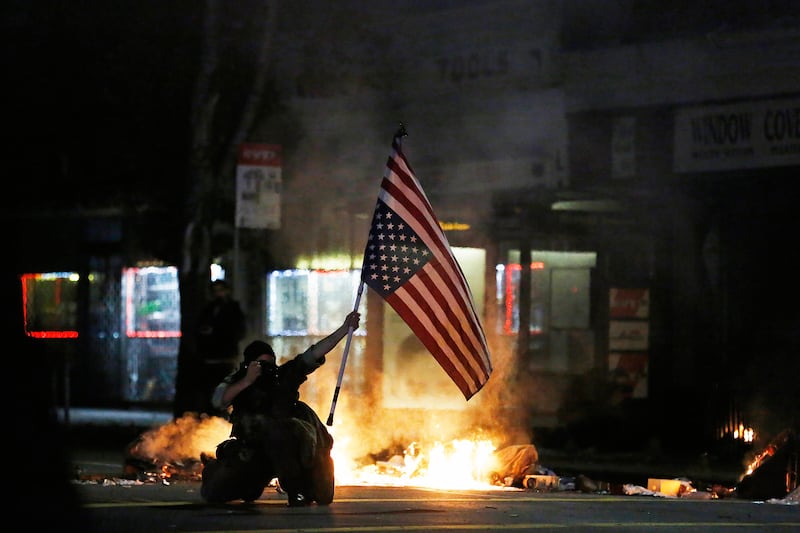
point(344, 357)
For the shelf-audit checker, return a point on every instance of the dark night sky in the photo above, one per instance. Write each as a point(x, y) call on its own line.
point(98, 102)
point(99, 92)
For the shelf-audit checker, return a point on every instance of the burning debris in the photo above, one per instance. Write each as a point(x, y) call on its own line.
point(773, 472)
point(175, 450)
point(461, 463)
point(513, 466)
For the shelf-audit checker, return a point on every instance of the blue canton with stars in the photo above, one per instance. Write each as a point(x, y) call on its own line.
point(394, 252)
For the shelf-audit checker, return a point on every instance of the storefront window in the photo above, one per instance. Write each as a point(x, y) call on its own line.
point(152, 319)
point(50, 304)
point(508, 279)
point(152, 302)
point(560, 299)
point(311, 302)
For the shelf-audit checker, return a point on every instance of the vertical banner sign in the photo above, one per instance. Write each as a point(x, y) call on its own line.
point(629, 339)
point(258, 186)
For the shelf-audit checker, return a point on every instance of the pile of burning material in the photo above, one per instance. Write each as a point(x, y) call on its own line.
point(460, 463)
point(151, 472)
point(517, 466)
point(174, 450)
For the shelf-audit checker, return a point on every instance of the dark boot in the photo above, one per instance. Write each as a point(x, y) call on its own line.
point(322, 479)
point(296, 491)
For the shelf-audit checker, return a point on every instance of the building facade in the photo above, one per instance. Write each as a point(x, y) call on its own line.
point(610, 176)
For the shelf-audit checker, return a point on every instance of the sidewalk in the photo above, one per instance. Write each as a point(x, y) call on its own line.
point(81, 416)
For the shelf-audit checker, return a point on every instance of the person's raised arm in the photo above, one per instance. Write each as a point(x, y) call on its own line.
point(316, 352)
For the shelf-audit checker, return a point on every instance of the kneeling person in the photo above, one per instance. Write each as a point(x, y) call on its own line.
point(274, 434)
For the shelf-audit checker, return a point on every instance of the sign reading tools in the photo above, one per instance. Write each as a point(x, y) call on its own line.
point(258, 186)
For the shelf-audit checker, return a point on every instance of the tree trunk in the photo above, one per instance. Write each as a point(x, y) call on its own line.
point(207, 167)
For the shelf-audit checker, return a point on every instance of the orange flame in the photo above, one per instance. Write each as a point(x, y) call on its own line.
point(459, 463)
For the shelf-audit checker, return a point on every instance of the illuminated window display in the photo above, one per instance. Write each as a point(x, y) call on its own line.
point(304, 305)
point(560, 283)
point(311, 302)
point(152, 302)
point(152, 319)
point(561, 335)
point(507, 278)
point(50, 304)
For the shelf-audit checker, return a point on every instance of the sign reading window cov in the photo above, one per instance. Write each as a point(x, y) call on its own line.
point(258, 186)
point(742, 135)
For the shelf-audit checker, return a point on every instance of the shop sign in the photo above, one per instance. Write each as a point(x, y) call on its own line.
point(628, 334)
point(258, 186)
point(743, 135)
point(629, 303)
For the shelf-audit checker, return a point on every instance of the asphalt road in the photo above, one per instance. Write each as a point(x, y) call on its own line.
point(121, 507)
point(106, 502)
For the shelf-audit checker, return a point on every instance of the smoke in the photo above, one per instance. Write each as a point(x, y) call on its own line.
point(183, 438)
point(495, 413)
point(350, 87)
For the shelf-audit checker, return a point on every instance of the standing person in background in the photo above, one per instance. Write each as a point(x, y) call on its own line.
point(220, 328)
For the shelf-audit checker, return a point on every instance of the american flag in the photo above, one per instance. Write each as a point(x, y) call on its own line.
point(408, 262)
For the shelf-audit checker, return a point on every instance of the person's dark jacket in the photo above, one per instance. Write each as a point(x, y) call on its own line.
point(276, 391)
point(221, 327)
